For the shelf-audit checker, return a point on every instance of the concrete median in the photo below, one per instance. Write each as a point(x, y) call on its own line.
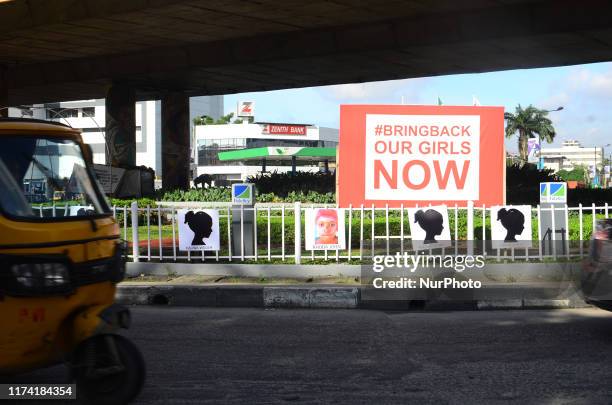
point(321, 296)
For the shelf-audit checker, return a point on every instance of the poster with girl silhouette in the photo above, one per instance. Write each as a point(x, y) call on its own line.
point(79, 210)
point(511, 226)
point(198, 229)
point(325, 229)
point(429, 227)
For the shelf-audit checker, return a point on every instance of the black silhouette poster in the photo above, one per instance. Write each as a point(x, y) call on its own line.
point(198, 229)
point(511, 226)
point(429, 227)
point(79, 210)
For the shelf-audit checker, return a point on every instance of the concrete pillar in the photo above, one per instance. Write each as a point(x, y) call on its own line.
point(121, 126)
point(175, 141)
point(3, 93)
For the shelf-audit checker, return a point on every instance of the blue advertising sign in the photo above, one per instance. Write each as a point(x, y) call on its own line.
point(553, 192)
point(243, 194)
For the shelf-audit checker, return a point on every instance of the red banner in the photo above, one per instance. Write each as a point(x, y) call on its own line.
point(407, 155)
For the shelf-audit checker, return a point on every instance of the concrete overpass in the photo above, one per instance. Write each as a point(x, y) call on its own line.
point(173, 49)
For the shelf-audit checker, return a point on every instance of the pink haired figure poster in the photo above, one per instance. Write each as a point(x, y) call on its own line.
point(325, 229)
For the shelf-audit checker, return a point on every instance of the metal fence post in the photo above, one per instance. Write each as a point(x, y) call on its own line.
point(297, 233)
point(134, 211)
point(470, 227)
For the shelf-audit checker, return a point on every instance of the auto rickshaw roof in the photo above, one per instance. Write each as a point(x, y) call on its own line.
point(32, 126)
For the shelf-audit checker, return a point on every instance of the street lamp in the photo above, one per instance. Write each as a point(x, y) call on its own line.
point(556, 109)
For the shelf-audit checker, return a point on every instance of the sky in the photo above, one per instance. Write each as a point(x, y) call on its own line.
point(584, 92)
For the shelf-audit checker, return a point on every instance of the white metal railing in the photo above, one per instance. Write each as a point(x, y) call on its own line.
point(279, 236)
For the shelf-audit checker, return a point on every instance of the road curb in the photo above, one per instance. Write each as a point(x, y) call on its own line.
point(299, 297)
point(500, 304)
point(538, 303)
point(331, 297)
point(197, 296)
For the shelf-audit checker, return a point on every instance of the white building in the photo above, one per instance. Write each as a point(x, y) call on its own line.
point(570, 155)
point(90, 117)
point(212, 139)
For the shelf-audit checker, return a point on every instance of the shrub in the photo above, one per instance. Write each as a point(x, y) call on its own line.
point(588, 196)
point(211, 194)
point(282, 184)
point(523, 185)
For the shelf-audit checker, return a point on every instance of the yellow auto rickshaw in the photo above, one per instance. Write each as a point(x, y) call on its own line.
point(60, 261)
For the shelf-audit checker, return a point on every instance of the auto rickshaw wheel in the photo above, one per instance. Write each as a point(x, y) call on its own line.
point(108, 369)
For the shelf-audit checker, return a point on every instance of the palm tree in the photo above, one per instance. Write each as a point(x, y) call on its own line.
point(528, 122)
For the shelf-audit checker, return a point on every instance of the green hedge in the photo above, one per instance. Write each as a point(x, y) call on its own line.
point(218, 194)
point(212, 194)
point(517, 195)
point(282, 184)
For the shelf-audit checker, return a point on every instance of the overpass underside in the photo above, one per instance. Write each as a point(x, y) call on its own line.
point(172, 49)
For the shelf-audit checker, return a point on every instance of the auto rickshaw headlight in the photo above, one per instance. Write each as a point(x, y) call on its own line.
point(34, 275)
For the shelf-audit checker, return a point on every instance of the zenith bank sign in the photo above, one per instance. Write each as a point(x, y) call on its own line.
point(283, 129)
point(420, 154)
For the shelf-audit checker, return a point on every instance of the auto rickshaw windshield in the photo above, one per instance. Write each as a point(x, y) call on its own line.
point(46, 178)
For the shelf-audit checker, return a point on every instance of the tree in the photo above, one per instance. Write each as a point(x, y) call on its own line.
point(528, 122)
point(203, 120)
point(578, 173)
point(563, 174)
point(225, 119)
point(240, 120)
point(206, 120)
point(523, 183)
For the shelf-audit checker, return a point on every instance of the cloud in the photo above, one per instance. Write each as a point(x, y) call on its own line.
point(595, 84)
point(582, 87)
point(556, 100)
point(388, 90)
point(355, 91)
point(585, 92)
point(592, 131)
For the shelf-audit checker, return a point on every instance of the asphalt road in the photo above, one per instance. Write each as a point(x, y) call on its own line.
point(249, 356)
